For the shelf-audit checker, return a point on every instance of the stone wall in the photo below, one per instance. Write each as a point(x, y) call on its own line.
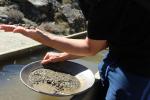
point(57, 16)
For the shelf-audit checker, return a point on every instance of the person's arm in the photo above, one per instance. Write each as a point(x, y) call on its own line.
point(79, 47)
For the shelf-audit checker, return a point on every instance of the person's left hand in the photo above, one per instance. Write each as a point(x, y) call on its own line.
point(32, 33)
point(7, 28)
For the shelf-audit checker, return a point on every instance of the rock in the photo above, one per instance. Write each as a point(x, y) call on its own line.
point(11, 14)
point(20, 1)
point(74, 17)
point(40, 10)
point(2, 10)
point(4, 19)
point(66, 1)
point(29, 22)
point(4, 2)
point(60, 17)
point(14, 6)
point(65, 14)
point(53, 28)
point(71, 14)
point(33, 13)
point(75, 4)
point(14, 16)
point(60, 1)
point(39, 2)
point(46, 6)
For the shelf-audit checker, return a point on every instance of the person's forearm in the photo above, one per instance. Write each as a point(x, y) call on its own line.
point(77, 47)
point(67, 56)
point(71, 46)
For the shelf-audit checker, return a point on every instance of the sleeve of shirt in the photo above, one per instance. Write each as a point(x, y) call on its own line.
point(101, 19)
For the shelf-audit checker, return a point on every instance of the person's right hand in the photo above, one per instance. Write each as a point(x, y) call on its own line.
point(53, 57)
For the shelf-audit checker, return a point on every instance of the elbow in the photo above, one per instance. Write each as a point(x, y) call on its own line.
point(92, 53)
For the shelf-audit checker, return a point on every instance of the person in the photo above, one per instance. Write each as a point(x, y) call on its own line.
point(121, 25)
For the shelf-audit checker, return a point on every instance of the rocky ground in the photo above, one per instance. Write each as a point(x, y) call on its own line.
point(61, 17)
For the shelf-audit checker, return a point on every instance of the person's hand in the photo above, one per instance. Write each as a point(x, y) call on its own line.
point(32, 33)
point(12, 28)
point(7, 28)
point(53, 57)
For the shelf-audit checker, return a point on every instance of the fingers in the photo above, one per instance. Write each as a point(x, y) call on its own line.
point(7, 28)
point(52, 57)
point(46, 56)
point(19, 29)
point(12, 28)
point(46, 59)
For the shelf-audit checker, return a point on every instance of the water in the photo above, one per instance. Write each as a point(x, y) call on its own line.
point(11, 87)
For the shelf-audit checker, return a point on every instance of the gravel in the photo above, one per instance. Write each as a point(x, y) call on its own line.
point(53, 82)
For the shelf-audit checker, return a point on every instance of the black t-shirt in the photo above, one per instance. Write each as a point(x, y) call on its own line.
point(126, 26)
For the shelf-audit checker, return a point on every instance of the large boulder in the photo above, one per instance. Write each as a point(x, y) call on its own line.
point(4, 19)
point(39, 2)
point(60, 29)
point(2, 10)
point(31, 12)
point(4, 2)
point(12, 16)
point(57, 16)
point(40, 10)
point(15, 16)
point(74, 17)
point(20, 1)
point(46, 6)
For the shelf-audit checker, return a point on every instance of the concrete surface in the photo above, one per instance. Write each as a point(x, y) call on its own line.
point(15, 43)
